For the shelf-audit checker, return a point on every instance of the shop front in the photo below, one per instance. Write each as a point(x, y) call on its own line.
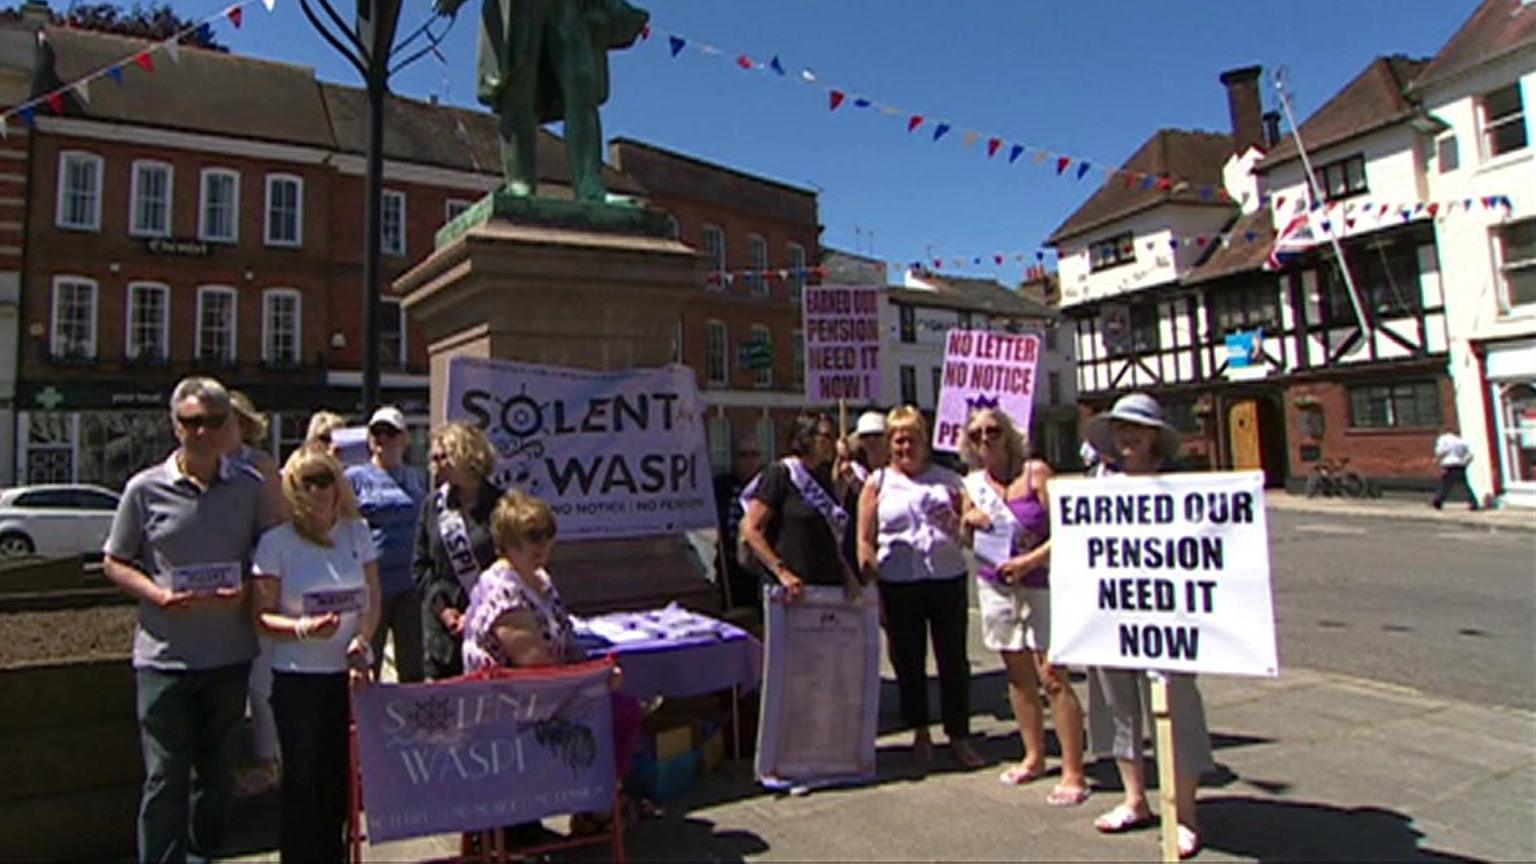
point(104, 431)
point(1511, 374)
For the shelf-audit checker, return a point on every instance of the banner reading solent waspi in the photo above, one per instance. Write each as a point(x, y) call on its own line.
point(467, 755)
point(1168, 572)
point(615, 454)
point(842, 344)
point(985, 369)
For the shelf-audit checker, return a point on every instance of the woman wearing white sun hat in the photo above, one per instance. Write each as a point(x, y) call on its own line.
point(1134, 437)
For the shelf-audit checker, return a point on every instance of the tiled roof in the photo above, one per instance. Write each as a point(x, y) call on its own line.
point(206, 91)
point(1240, 255)
point(237, 96)
point(1497, 27)
point(1373, 100)
point(1191, 159)
point(972, 294)
point(443, 135)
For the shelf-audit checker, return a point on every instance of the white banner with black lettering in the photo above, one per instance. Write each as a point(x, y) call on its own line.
point(615, 454)
point(1168, 572)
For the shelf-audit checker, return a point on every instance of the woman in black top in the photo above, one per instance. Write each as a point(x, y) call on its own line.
point(794, 538)
point(461, 459)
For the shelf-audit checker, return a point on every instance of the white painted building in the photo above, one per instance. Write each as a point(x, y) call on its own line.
point(1482, 87)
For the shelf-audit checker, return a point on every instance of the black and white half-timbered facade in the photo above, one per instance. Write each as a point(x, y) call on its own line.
point(1170, 294)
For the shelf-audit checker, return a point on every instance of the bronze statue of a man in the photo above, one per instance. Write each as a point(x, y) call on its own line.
point(543, 60)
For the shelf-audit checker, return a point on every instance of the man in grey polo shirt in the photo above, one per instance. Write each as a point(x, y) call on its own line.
point(181, 544)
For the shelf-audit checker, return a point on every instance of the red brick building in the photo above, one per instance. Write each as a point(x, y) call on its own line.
point(764, 238)
point(171, 228)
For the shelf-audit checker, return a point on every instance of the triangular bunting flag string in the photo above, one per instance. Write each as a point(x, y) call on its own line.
point(143, 58)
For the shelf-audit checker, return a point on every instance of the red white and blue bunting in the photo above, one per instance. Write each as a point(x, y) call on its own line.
point(142, 60)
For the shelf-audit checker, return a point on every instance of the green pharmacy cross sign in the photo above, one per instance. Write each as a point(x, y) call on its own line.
point(753, 356)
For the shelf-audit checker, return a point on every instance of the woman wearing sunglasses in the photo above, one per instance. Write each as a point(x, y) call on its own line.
point(317, 599)
point(1007, 520)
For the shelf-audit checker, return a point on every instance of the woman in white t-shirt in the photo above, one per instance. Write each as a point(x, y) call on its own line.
point(316, 597)
point(909, 538)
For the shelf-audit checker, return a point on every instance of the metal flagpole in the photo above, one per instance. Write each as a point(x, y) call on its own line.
point(1312, 196)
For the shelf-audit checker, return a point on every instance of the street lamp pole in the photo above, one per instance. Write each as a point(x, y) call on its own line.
point(369, 45)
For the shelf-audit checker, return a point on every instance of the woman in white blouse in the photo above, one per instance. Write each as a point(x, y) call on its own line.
point(909, 538)
point(317, 599)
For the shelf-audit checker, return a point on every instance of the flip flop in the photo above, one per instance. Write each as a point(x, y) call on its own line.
point(1066, 796)
point(1018, 776)
point(1122, 819)
point(1189, 842)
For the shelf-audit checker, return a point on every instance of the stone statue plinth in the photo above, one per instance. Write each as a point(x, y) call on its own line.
point(566, 295)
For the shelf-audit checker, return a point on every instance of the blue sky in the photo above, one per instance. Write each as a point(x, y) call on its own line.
point(1090, 78)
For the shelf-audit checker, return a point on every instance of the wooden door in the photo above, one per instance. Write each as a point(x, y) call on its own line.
point(1243, 436)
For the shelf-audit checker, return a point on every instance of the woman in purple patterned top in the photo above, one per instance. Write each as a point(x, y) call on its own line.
point(1006, 501)
point(516, 619)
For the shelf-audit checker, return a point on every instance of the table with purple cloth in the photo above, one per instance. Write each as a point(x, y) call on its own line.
point(674, 652)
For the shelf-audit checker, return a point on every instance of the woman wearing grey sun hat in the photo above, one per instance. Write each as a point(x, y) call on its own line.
point(1135, 439)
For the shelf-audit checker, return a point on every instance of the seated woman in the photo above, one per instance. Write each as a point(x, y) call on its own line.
point(515, 617)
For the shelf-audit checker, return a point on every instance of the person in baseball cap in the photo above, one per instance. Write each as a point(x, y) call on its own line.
point(389, 494)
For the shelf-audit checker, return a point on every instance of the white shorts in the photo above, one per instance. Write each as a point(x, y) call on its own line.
point(1014, 618)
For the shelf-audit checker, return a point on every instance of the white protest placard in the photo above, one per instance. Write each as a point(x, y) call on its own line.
point(614, 454)
point(1167, 572)
point(984, 369)
point(842, 343)
point(819, 711)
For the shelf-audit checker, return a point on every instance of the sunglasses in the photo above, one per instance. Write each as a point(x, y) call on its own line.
point(202, 421)
point(383, 431)
point(990, 433)
point(539, 535)
point(318, 480)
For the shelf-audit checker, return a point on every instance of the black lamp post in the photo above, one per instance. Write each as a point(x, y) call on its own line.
point(369, 45)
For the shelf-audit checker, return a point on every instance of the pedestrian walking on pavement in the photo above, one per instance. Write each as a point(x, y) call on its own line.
point(909, 538)
point(1134, 436)
point(1005, 498)
point(181, 544)
point(389, 494)
point(1454, 456)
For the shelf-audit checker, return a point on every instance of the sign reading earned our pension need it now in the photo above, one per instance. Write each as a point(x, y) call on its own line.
point(842, 343)
point(615, 454)
point(1168, 572)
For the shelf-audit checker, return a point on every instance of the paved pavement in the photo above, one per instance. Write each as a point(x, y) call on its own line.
point(1313, 765)
point(1413, 509)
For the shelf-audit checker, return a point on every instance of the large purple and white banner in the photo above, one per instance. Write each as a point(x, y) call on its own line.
point(842, 344)
point(467, 755)
point(985, 369)
point(615, 454)
point(821, 689)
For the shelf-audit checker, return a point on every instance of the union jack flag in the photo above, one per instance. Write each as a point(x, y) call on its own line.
point(1297, 237)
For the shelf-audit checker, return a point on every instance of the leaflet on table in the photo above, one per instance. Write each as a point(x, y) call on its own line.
point(994, 545)
point(206, 578)
point(338, 600)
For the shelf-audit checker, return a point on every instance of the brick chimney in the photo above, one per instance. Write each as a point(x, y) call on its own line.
point(1246, 107)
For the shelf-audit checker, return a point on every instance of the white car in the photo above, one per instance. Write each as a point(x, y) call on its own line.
point(55, 520)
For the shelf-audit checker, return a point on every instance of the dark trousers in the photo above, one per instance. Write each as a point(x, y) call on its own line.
point(401, 614)
point(312, 715)
point(189, 724)
point(913, 610)
point(1453, 480)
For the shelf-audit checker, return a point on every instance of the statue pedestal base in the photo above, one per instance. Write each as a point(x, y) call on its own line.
point(578, 297)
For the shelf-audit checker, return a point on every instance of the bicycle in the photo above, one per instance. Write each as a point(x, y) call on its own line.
point(1333, 477)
